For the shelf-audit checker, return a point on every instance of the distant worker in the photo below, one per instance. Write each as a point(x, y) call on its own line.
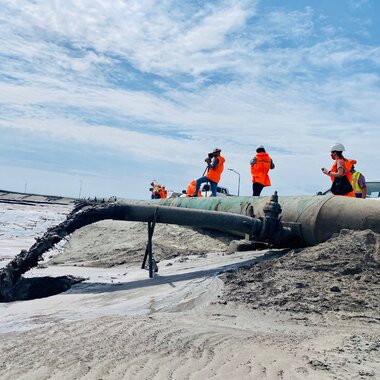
point(260, 166)
point(213, 172)
point(340, 172)
point(163, 192)
point(191, 189)
point(155, 189)
point(358, 183)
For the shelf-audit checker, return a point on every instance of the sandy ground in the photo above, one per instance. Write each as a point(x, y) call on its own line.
point(208, 314)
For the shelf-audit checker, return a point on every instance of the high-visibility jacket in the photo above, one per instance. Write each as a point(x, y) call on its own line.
point(355, 182)
point(163, 193)
point(348, 165)
point(260, 169)
point(191, 189)
point(215, 174)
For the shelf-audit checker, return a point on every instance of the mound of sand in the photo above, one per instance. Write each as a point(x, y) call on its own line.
point(342, 274)
point(108, 243)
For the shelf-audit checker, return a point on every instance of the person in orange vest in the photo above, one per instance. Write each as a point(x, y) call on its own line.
point(215, 167)
point(191, 189)
point(260, 166)
point(340, 169)
point(163, 192)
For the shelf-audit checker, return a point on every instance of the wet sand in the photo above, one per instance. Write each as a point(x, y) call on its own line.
point(208, 314)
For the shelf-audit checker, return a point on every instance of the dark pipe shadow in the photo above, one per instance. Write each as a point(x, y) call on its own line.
point(98, 287)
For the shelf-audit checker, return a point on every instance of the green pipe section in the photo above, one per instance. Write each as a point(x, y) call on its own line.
point(314, 219)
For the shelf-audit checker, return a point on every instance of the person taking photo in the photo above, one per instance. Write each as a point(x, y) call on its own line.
point(213, 172)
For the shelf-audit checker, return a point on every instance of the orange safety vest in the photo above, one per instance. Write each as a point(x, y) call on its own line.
point(260, 169)
point(348, 165)
point(191, 189)
point(214, 174)
point(163, 193)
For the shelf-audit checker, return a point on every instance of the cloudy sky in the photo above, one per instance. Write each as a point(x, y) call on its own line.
point(101, 97)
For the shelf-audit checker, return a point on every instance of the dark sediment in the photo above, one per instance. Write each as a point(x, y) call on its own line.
point(342, 274)
point(40, 287)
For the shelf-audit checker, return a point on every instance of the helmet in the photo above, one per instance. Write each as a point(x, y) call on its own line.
point(337, 147)
point(216, 150)
point(260, 147)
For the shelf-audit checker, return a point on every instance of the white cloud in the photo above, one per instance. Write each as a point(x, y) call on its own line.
point(288, 25)
point(136, 144)
point(339, 52)
point(151, 35)
point(58, 58)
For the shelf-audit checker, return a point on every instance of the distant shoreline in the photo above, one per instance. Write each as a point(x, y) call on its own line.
point(13, 197)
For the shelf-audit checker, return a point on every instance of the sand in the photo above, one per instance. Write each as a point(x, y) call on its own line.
point(108, 243)
point(341, 275)
point(208, 314)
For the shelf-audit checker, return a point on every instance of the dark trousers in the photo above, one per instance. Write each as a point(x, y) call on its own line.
point(256, 189)
point(204, 179)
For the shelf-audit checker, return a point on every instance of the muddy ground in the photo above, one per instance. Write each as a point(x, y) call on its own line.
point(340, 275)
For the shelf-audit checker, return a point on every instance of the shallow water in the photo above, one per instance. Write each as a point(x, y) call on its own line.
point(20, 224)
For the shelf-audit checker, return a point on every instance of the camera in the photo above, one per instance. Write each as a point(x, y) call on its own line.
point(210, 155)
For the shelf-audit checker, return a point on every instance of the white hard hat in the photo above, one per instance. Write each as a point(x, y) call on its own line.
point(216, 150)
point(337, 147)
point(260, 147)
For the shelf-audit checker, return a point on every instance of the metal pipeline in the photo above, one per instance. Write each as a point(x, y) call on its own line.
point(268, 228)
point(312, 219)
point(264, 227)
point(222, 221)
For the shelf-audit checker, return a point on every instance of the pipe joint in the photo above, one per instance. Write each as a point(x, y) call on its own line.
point(271, 227)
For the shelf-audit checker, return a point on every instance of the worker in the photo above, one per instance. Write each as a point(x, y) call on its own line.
point(163, 192)
point(358, 183)
point(155, 189)
point(260, 166)
point(191, 189)
point(213, 172)
point(340, 172)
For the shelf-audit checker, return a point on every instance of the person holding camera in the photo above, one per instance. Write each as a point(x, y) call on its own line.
point(213, 172)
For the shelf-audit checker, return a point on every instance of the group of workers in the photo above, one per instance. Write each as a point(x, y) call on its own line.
point(158, 191)
point(260, 166)
point(345, 180)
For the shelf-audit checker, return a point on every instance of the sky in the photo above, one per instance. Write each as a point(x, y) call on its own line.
point(99, 98)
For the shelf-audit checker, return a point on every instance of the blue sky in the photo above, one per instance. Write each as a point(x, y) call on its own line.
point(108, 96)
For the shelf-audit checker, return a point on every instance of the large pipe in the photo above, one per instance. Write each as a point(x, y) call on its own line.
point(268, 228)
point(314, 219)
